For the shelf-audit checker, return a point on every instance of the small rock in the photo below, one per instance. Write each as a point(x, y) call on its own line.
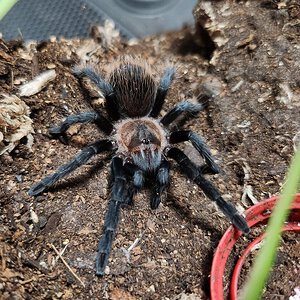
point(151, 289)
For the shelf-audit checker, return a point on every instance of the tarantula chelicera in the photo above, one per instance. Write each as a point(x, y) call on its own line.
point(141, 143)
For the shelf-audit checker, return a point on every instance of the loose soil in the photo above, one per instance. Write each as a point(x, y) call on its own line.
point(244, 57)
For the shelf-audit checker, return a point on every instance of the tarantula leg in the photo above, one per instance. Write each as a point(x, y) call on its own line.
point(181, 107)
point(138, 179)
point(80, 159)
point(85, 117)
point(162, 91)
point(111, 103)
point(187, 135)
point(119, 197)
point(162, 181)
point(192, 172)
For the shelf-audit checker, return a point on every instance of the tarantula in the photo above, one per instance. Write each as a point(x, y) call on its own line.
point(141, 144)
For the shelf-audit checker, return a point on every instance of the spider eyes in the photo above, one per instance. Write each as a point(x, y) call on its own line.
point(146, 141)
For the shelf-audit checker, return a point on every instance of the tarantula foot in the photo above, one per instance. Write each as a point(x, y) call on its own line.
point(155, 200)
point(101, 263)
point(131, 193)
point(240, 223)
point(205, 169)
point(37, 189)
point(56, 133)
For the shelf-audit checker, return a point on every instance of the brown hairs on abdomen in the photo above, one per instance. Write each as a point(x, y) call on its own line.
point(135, 89)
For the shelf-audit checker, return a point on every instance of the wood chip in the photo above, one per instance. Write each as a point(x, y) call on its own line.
point(37, 84)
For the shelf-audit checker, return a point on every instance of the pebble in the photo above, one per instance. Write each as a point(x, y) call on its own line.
point(19, 178)
point(151, 289)
point(51, 66)
point(34, 217)
point(164, 263)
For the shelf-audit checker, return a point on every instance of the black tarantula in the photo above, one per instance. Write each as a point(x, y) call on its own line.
point(141, 143)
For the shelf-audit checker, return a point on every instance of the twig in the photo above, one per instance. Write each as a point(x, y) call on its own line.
point(129, 249)
point(3, 261)
point(61, 254)
point(136, 241)
point(11, 79)
point(31, 279)
point(247, 189)
point(66, 264)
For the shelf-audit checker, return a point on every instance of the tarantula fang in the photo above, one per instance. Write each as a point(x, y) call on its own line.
point(142, 145)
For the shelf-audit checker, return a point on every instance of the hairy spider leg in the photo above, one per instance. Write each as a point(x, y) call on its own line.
point(111, 103)
point(188, 168)
point(187, 135)
point(162, 181)
point(162, 91)
point(178, 109)
point(120, 197)
point(84, 117)
point(138, 179)
point(81, 158)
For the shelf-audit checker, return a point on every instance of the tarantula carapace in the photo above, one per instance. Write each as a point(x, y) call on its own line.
point(141, 143)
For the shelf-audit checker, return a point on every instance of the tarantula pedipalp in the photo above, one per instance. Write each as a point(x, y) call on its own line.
point(141, 144)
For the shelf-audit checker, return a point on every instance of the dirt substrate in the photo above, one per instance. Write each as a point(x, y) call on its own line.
point(245, 57)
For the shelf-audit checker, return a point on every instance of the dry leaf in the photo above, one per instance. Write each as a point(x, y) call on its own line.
point(118, 294)
point(86, 231)
point(8, 273)
point(15, 122)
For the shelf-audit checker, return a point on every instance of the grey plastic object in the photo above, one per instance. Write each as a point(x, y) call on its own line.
point(40, 19)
